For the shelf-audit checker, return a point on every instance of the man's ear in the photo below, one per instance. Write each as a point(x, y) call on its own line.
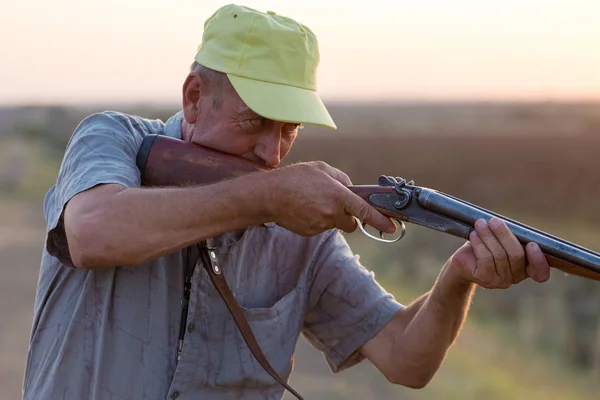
point(192, 89)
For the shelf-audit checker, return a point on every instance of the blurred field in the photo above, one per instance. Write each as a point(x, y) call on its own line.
point(21, 238)
point(537, 163)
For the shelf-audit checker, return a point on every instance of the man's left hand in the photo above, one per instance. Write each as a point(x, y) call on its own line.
point(493, 258)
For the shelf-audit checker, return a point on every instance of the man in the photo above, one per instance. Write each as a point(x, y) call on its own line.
point(108, 307)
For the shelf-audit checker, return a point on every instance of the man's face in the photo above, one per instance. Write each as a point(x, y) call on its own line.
point(228, 125)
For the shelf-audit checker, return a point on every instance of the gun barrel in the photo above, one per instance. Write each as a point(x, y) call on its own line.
point(468, 213)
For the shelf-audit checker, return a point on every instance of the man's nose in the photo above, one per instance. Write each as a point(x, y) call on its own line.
point(268, 147)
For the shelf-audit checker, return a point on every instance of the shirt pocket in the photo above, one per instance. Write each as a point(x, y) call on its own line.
point(276, 330)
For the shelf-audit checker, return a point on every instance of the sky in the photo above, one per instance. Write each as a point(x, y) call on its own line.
point(84, 51)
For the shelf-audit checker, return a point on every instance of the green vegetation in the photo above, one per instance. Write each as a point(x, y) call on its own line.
point(28, 169)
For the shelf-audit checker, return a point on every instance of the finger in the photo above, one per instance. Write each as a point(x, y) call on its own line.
point(335, 173)
point(346, 222)
point(496, 249)
point(513, 249)
point(537, 268)
point(355, 205)
point(485, 271)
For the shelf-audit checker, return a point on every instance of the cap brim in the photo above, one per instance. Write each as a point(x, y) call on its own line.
point(282, 102)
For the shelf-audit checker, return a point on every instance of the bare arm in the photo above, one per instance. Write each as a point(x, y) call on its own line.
point(112, 225)
point(412, 346)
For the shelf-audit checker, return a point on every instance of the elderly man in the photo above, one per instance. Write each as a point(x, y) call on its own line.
point(119, 258)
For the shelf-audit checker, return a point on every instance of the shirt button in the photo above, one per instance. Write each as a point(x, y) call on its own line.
point(191, 327)
point(175, 394)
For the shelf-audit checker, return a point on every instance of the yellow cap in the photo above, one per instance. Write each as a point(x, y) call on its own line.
point(270, 60)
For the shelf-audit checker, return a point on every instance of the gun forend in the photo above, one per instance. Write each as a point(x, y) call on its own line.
point(566, 256)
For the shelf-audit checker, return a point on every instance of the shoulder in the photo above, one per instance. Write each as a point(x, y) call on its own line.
point(111, 130)
point(121, 122)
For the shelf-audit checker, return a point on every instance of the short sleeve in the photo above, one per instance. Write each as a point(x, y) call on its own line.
point(102, 150)
point(347, 306)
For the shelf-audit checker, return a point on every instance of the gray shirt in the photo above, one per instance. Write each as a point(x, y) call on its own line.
point(112, 333)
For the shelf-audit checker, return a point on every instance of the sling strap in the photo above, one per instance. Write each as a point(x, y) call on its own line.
point(211, 264)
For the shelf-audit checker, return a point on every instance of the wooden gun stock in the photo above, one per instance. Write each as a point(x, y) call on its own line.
point(165, 161)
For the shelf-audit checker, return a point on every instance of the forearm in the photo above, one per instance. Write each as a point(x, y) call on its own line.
point(432, 323)
point(135, 225)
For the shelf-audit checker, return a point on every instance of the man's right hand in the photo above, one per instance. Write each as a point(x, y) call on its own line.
point(309, 198)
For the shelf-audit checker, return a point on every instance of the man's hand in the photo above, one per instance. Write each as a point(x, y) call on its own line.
point(309, 198)
point(494, 258)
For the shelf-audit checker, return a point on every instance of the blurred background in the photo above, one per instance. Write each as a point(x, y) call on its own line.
point(497, 103)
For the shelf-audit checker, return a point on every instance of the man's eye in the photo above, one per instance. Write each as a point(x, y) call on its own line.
point(256, 122)
point(291, 128)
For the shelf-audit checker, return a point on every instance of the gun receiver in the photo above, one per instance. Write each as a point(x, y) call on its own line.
point(165, 161)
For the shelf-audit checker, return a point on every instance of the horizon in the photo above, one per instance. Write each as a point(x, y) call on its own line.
point(431, 52)
point(331, 104)
point(328, 103)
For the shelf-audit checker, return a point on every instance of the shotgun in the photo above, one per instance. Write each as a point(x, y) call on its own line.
point(165, 161)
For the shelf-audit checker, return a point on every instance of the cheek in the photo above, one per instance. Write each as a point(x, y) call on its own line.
point(224, 140)
point(285, 147)
point(233, 144)
point(239, 145)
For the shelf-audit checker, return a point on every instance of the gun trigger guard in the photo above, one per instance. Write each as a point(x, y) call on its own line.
point(401, 228)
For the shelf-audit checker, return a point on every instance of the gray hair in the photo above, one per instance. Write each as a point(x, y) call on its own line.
point(214, 79)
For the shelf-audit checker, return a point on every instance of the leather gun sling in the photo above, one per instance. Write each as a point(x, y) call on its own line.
point(220, 284)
